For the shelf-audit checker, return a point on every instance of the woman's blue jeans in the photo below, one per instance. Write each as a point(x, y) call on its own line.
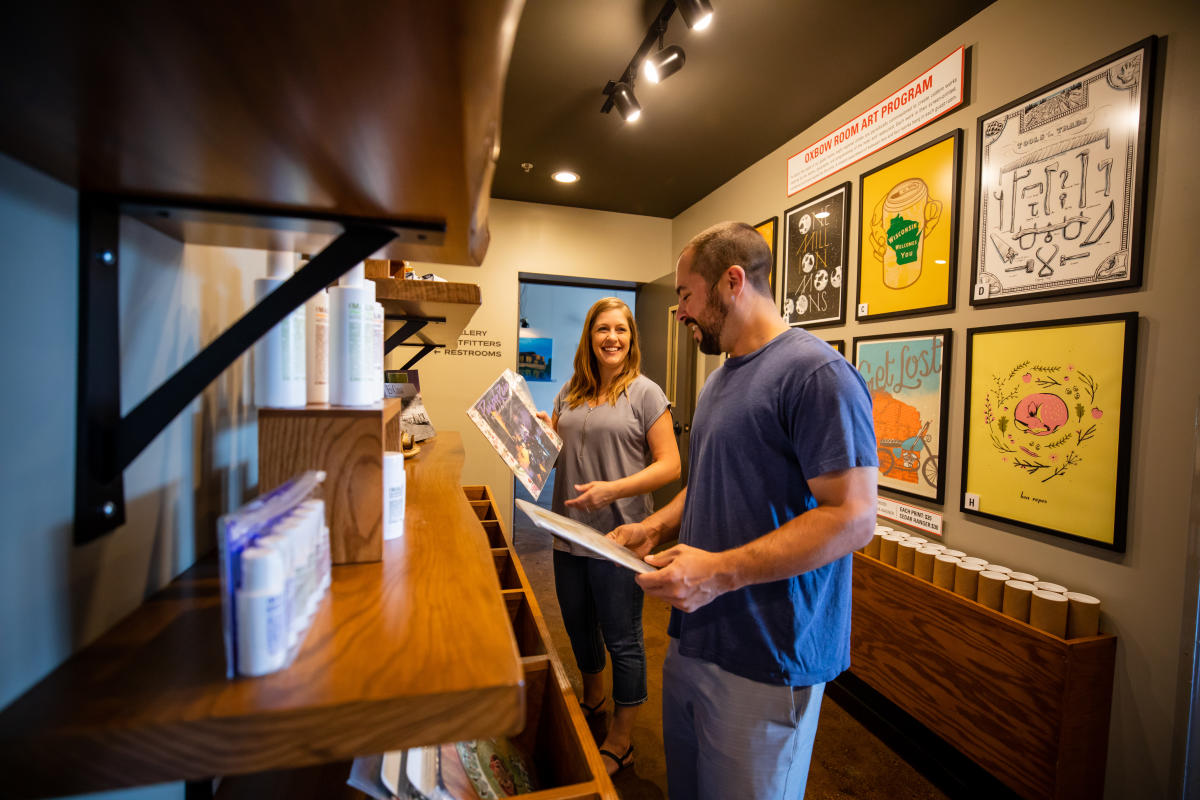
point(602, 607)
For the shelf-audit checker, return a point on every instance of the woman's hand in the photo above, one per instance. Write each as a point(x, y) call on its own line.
point(593, 495)
point(544, 417)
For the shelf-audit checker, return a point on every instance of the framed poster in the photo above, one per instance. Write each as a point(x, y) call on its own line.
point(1047, 430)
point(837, 344)
point(908, 375)
point(769, 230)
point(1060, 202)
point(908, 231)
point(817, 238)
point(535, 358)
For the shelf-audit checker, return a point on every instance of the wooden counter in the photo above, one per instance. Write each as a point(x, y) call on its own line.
point(414, 649)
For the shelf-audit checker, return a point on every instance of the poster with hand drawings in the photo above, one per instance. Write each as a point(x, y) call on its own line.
point(817, 236)
point(1048, 425)
point(908, 232)
point(908, 375)
point(1061, 184)
point(768, 229)
point(507, 417)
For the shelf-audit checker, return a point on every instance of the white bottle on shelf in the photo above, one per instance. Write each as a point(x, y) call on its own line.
point(316, 347)
point(350, 313)
point(279, 375)
point(377, 350)
point(394, 490)
point(261, 608)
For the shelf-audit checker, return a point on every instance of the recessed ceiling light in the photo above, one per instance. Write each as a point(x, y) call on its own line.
point(565, 176)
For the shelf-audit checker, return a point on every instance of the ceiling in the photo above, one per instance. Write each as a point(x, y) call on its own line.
point(764, 71)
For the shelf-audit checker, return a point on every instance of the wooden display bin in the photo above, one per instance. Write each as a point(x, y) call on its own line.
point(556, 734)
point(1027, 706)
point(348, 443)
point(494, 533)
point(524, 625)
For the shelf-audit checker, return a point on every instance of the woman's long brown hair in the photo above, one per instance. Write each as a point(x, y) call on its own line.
point(585, 383)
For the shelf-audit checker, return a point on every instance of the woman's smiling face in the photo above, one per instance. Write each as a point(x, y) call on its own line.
point(610, 339)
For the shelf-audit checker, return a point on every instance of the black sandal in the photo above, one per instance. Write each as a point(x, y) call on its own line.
point(621, 761)
point(592, 712)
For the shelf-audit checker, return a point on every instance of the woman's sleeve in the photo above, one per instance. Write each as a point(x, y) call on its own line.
point(651, 403)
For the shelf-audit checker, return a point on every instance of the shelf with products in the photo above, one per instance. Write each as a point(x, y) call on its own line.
point(414, 649)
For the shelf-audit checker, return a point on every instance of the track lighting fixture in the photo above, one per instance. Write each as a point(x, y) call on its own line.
point(662, 64)
point(697, 14)
point(626, 103)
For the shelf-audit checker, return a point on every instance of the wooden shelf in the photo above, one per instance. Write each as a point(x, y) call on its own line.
point(415, 649)
point(390, 116)
point(1027, 706)
point(456, 303)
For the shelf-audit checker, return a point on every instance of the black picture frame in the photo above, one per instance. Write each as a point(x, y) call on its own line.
point(1014, 477)
point(890, 281)
point(905, 400)
point(1071, 138)
point(769, 230)
point(814, 268)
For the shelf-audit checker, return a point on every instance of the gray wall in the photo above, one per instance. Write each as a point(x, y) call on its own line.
point(1149, 591)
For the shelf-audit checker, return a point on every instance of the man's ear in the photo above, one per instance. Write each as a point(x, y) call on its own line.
point(734, 279)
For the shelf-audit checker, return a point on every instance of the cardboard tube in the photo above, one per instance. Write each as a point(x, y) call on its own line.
point(973, 560)
point(888, 545)
point(1083, 615)
point(1046, 586)
point(941, 548)
point(1024, 577)
point(966, 579)
point(872, 548)
point(905, 555)
point(943, 570)
point(999, 568)
point(923, 563)
point(991, 589)
point(955, 553)
point(1048, 612)
point(1016, 599)
point(919, 539)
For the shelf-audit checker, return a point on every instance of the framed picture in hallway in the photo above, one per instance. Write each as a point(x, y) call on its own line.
point(908, 232)
point(1061, 184)
point(816, 240)
point(908, 375)
point(769, 230)
point(1049, 415)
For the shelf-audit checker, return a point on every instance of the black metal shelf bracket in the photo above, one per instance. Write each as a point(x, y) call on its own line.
point(411, 325)
point(106, 442)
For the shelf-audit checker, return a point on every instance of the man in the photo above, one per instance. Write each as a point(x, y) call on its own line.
point(781, 490)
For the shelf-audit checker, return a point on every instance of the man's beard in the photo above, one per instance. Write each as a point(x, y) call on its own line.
point(710, 334)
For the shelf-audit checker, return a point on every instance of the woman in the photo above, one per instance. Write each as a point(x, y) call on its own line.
point(618, 446)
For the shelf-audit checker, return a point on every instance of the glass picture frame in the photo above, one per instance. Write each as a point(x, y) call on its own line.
point(814, 266)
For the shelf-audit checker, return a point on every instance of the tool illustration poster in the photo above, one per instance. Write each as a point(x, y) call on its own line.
point(1047, 428)
point(907, 375)
point(909, 231)
point(1061, 188)
point(814, 268)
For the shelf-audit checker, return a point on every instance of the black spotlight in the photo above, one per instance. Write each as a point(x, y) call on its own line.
point(697, 14)
point(661, 65)
point(626, 103)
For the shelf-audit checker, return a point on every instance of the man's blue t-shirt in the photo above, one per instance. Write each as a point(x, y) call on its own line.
point(766, 422)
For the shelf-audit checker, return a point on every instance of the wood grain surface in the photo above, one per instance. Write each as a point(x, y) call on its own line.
point(1031, 708)
point(347, 443)
point(389, 114)
point(414, 649)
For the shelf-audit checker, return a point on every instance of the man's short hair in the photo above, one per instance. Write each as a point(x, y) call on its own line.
point(716, 249)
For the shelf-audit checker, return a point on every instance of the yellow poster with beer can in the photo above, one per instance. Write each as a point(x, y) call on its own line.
point(908, 237)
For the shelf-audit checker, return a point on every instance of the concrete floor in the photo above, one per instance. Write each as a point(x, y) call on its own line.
point(848, 761)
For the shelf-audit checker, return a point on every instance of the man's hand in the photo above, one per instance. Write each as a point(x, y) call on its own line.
point(688, 579)
point(593, 495)
point(636, 536)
